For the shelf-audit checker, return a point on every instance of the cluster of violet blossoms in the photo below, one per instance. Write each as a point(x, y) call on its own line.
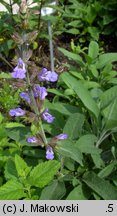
point(39, 92)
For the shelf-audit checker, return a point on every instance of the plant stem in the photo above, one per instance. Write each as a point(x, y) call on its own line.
point(102, 138)
point(5, 61)
point(51, 45)
point(10, 1)
point(39, 18)
point(36, 110)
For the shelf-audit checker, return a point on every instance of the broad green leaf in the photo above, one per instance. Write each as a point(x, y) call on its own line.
point(102, 187)
point(90, 84)
point(68, 149)
point(108, 170)
point(57, 92)
point(99, 163)
point(108, 97)
point(3, 133)
point(12, 190)
point(55, 191)
point(10, 170)
point(93, 50)
point(74, 23)
point(86, 144)
point(106, 59)
point(19, 134)
point(73, 31)
point(74, 125)
point(94, 32)
point(43, 173)
point(72, 56)
point(94, 71)
point(110, 115)
point(63, 108)
point(82, 92)
point(79, 193)
point(13, 125)
point(21, 166)
point(69, 164)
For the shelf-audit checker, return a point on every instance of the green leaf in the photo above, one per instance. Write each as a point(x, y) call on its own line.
point(93, 50)
point(73, 31)
point(94, 32)
point(108, 97)
point(108, 170)
point(68, 149)
point(72, 56)
point(19, 134)
point(74, 125)
point(43, 173)
point(21, 166)
point(10, 170)
point(12, 190)
point(63, 108)
point(105, 59)
point(110, 115)
point(13, 125)
point(86, 144)
point(106, 190)
point(99, 163)
point(74, 23)
point(3, 132)
point(55, 191)
point(94, 71)
point(79, 193)
point(82, 92)
point(57, 92)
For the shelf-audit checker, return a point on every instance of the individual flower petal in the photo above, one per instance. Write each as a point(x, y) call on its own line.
point(62, 136)
point(19, 71)
point(17, 112)
point(47, 116)
point(32, 140)
point(25, 96)
point(40, 92)
point(49, 153)
point(46, 75)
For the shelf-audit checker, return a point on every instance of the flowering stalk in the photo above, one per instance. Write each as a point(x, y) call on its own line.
point(36, 110)
point(36, 94)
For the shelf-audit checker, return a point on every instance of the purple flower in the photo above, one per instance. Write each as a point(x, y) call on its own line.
point(32, 140)
point(46, 75)
point(54, 77)
point(47, 116)
point(25, 96)
point(49, 153)
point(17, 112)
point(40, 92)
point(19, 71)
point(62, 136)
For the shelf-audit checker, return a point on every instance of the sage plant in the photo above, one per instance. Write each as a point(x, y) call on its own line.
point(34, 93)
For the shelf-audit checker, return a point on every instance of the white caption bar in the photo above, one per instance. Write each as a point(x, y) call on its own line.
point(63, 207)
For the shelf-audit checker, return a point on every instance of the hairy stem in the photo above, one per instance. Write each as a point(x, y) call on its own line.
point(36, 110)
